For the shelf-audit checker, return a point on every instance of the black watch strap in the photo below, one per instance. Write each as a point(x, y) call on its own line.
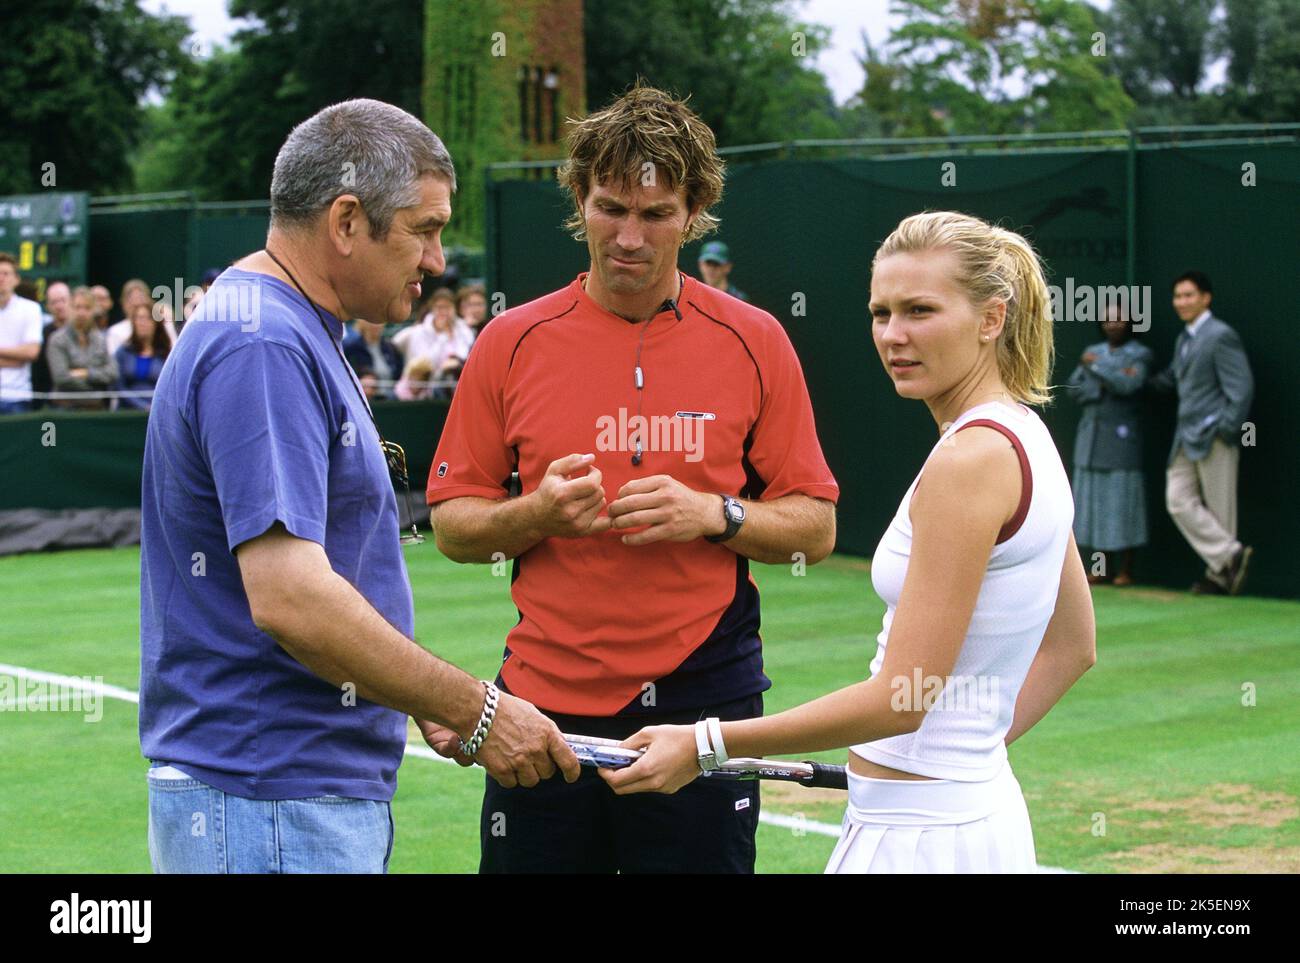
point(734, 514)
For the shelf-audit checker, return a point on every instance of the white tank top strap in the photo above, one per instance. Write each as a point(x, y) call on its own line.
point(1026, 474)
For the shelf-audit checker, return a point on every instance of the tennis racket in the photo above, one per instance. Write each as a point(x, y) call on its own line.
point(608, 754)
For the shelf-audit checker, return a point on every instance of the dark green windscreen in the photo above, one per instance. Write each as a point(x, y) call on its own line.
point(802, 233)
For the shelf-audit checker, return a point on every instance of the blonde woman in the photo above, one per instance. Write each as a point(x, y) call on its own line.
point(414, 383)
point(989, 619)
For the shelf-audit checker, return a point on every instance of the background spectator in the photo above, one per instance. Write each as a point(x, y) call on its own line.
point(373, 355)
point(471, 306)
point(414, 383)
point(162, 313)
point(58, 306)
point(421, 314)
point(441, 337)
point(187, 309)
point(134, 292)
point(131, 290)
point(209, 278)
point(1110, 512)
point(1215, 387)
point(20, 340)
point(715, 269)
point(78, 355)
point(103, 306)
point(140, 360)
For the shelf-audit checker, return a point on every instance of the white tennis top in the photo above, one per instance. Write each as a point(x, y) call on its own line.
point(20, 323)
point(960, 737)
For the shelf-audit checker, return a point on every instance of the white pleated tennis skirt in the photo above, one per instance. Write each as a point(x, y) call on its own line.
point(935, 826)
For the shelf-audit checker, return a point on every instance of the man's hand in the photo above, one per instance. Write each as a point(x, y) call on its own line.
point(672, 511)
point(1089, 357)
point(523, 747)
point(569, 501)
point(445, 742)
point(566, 504)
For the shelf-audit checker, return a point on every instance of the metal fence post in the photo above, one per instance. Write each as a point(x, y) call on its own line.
point(1130, 212)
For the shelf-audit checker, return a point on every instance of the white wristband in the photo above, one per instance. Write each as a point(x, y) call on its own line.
point(715, 736)
point(703, 754)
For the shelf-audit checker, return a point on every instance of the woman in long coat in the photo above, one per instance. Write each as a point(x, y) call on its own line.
point(1109, 490)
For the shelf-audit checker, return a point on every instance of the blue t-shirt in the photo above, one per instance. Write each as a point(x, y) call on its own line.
point(256, 420)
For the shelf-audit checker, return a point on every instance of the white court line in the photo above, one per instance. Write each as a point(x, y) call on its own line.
point(71, 682)
point(796, 824)
point(799, 825)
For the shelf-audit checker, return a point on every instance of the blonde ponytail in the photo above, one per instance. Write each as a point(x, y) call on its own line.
point(995, 265)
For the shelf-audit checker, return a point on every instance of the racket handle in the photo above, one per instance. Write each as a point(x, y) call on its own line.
point(827, 777)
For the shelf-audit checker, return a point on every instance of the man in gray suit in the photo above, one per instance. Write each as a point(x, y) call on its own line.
point(1215, 387)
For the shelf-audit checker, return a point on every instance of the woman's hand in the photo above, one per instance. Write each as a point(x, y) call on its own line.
point(668, 764)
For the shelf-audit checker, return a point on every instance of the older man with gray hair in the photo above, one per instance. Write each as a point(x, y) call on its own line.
point(276, 622)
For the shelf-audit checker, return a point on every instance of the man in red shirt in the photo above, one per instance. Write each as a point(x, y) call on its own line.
point(638, 406)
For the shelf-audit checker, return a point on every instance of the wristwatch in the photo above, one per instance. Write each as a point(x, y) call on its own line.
point(734, 513)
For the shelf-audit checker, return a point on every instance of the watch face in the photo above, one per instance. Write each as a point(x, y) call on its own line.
point(735, 511)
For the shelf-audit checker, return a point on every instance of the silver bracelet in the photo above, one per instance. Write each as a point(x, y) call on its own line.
point(475, 742)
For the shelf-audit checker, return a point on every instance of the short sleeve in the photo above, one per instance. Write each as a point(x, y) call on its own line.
point(263, 426)
point(473, 457)
point(32, 327)
point(785, 451)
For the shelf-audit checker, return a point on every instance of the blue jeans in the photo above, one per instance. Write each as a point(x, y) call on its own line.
point(15, 407)
point(194, 828)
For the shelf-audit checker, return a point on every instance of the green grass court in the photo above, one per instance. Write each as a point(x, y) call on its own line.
point(1154, 746)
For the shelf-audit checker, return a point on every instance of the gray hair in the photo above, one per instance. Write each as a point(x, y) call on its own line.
point(367, 148)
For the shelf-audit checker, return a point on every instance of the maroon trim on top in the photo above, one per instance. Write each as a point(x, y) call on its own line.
point(1026, 476)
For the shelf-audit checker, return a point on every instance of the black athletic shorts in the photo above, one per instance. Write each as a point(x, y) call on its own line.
point(707, 826)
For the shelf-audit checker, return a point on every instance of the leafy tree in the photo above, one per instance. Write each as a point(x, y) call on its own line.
point(1163, 50)
point(1070, 86)
point(1241, 36)
point(1160, 47)
point(74, 74)
point(746, 64)
point(229, 115)
point(875, 111)
point(990, 66)
point(1261, 39)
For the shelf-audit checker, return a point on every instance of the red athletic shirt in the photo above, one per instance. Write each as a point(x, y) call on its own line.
point(722, 390)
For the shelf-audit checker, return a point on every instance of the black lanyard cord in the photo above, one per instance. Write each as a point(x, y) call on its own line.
point(338, 347)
